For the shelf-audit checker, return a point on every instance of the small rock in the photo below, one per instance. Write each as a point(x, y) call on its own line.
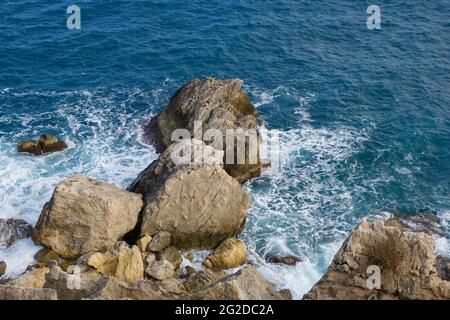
point(231, 253)
point(172, 255)
point(159, 242)
point(30, 146)
point(160, 270)
point(286, 294)
point(130, 266)
point(46, 144)
point(44, 255)
point(189, 270)
point(12, 230)
point(143, 242)
point(150, 258)
point(103, 263)
point(2, 268)
point(288, 260)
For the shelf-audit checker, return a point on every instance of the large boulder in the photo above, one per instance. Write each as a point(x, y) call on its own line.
point(85, 215)
point(406, 261)
point(195, 201)
point(12, 230)
point(246, 284)
point(198, 207)
point(216, 104)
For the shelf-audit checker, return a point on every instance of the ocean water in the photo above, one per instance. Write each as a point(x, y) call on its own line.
point(363, 115)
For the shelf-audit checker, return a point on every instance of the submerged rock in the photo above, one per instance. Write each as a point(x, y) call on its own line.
point(406, 260)
point(85, 215)
point(288, 260)
point(216, 104)
point(12, 230)
point(160, 241)
point(231, 253)
point(46, 144)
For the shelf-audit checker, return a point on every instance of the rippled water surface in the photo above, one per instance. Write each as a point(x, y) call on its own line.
point(363, 116)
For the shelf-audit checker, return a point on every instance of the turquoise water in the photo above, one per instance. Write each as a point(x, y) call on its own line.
point(363, 116)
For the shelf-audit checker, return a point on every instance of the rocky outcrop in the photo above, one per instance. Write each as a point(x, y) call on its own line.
point(85, 215)
point(46, 144)
point(12, 230)
point(246, 284)
point(23, 293)
point(405, 258)
point(216, 104)
point(231, 253)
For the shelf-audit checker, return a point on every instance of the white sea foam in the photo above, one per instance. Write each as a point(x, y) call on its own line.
point(103, 131)
point(303, 208)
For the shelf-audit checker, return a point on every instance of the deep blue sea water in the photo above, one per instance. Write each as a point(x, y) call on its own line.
point(363, 115)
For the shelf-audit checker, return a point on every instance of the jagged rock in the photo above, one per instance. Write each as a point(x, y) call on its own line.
point(143, 242)
point(172, 255)
point(84, 216)
point(203, 279)
point(198, 206)
point(110, 288)
point(34, 278)
point(2, 268)
point(288, 260)
point(23, 293)
point(160, 270)
point(159, 242)
point(130, 266)
point(73, 284)
point(149, 259)
point(217, 104)
point(406, 260)
point(12, 230)
point(46, 144)
point(231, 253)
point(246, 284)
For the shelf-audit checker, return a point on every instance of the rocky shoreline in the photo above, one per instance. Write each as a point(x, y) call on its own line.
point(103, 242)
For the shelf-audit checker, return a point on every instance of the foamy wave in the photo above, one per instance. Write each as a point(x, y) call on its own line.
point(103, 131)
